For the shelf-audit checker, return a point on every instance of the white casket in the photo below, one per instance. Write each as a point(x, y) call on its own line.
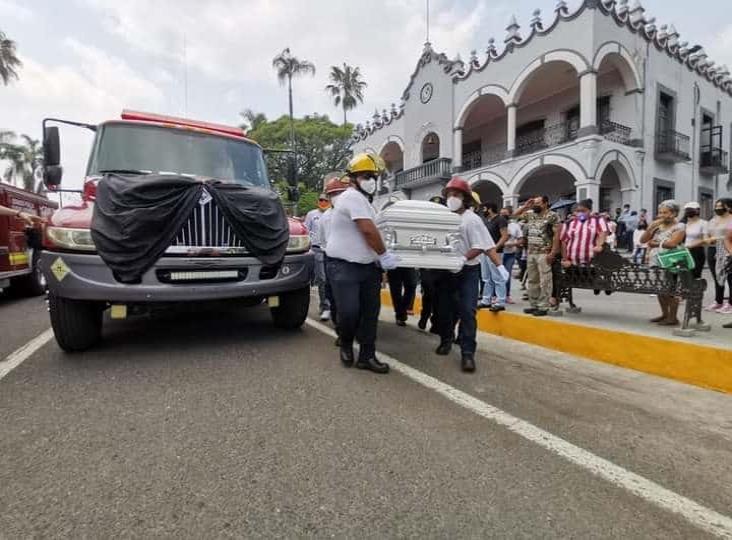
point(422, 234)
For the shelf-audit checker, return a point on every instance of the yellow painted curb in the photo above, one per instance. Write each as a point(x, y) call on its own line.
point(700, 365)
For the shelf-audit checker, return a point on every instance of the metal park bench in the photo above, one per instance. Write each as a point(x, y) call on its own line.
point(610, 272)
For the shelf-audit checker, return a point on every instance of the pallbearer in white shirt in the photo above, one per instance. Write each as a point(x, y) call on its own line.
point(356, 259)
point(333, 190)
point(457, 294)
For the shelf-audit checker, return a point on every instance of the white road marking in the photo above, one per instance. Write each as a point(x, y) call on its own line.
point(696, 514)
point(16, 358)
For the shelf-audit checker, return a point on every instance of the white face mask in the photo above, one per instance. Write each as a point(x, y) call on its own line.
point(333, 199)
point(454, 203)
point(368, 185)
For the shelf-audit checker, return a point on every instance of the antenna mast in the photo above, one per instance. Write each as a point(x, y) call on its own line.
point(427, 13)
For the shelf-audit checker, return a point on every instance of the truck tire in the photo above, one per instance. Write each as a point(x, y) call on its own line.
point(293, 309)
point(77, 324)
point(33, 284)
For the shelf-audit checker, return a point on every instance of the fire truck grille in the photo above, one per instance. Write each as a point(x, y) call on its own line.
point(207, 228)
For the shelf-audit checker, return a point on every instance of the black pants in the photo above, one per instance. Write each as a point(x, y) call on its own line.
point(718, 289)
point(699, 256)
point(356, 289)
point(403, 287)
point(457, 299)
point(330, 297)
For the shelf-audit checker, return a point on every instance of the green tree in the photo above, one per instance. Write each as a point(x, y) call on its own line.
point(22, 161)
point(9, 61)
point(252, 120)
point(287, 67)
point(346, 87)
point(322, 146)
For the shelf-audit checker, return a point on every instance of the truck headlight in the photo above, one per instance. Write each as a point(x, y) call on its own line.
point(298, 243)
point(76, 239)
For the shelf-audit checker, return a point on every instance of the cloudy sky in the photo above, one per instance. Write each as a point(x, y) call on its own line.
point(87, 59)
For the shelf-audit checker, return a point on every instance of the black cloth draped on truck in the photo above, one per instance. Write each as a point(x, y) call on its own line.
point(137, 217)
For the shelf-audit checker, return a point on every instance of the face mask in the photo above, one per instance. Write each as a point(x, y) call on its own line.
point(720, 211)
point(368, 185)
point(582, 217)
point(333, 199)
point(454, 203)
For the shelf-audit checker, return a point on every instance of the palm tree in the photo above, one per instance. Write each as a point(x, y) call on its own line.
point(23, 159)
point(287, 67)
point(346, 87)
point(252, 119)
point(9, 62)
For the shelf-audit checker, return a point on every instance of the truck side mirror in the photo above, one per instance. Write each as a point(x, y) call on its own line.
point(52, 171)
point(51, 147)
point(291, 170)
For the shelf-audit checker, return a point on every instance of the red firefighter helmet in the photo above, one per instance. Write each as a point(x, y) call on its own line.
point(336, 185)
point(458, 184)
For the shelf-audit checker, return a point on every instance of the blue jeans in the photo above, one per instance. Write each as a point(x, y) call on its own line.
point(457, 296)
point(508, 260)
point(493, 282)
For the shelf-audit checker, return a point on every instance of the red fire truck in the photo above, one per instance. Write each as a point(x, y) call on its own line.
point(207, 260)
point(19, 246)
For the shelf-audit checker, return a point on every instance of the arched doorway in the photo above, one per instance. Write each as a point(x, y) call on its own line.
point(488, 192)
point(616, 183)
point(393, 157)
point(484, 132)
point(430, 147)
point(548, 113)
point(551, 180)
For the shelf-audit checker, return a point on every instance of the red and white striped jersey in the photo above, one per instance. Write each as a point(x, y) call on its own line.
point(580, 237)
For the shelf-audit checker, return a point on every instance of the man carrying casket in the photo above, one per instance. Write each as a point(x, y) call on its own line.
point(462, 287)
point(354, 248)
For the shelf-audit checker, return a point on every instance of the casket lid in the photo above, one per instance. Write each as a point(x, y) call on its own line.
point(418, 212)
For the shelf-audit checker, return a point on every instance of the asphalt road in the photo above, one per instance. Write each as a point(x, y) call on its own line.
point(210, 423)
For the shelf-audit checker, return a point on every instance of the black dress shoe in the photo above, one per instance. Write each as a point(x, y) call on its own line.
point(347, 356)
point(468, 363)
point(401, 323)
point(444, 348)
point(422, 324)
point(530, 310)
point(540, 312)
point(372, 364)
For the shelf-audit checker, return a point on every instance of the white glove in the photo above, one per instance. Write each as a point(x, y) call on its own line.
point(463, 260)
point(388, 260)
point(504, 273)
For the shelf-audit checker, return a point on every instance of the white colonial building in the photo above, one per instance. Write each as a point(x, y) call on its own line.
point(600, 103)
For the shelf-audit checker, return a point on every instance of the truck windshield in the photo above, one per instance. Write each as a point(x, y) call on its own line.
point(164, 150)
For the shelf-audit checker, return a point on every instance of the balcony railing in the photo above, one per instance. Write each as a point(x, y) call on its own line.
point(472, 160)
point(714, 161)
point(672, 146)
point(437, 169)
point(545, 138)
point(615, 132)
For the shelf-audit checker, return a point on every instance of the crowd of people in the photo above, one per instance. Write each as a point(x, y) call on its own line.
point(352, 260)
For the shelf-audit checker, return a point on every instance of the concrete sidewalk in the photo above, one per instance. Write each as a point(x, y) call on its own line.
point(616, 330)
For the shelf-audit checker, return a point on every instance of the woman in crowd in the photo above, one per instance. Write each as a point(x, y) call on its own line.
point(639, 248)
point(697, 236)
point(718, 226)
point(665, 233)
point(726, 263)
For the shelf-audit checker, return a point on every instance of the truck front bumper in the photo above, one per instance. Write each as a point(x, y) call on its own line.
point(86, 277)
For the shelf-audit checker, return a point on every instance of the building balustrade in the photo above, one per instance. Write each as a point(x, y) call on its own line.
point(713, 160)
point(547, 137)
point(612, 131)
point(672, 146)
point(440, 168)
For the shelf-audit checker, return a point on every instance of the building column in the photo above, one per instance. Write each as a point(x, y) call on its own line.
point(588, 104)
point(512, 200)
point(589, 190)
point(457, 152)
point(511, 126)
